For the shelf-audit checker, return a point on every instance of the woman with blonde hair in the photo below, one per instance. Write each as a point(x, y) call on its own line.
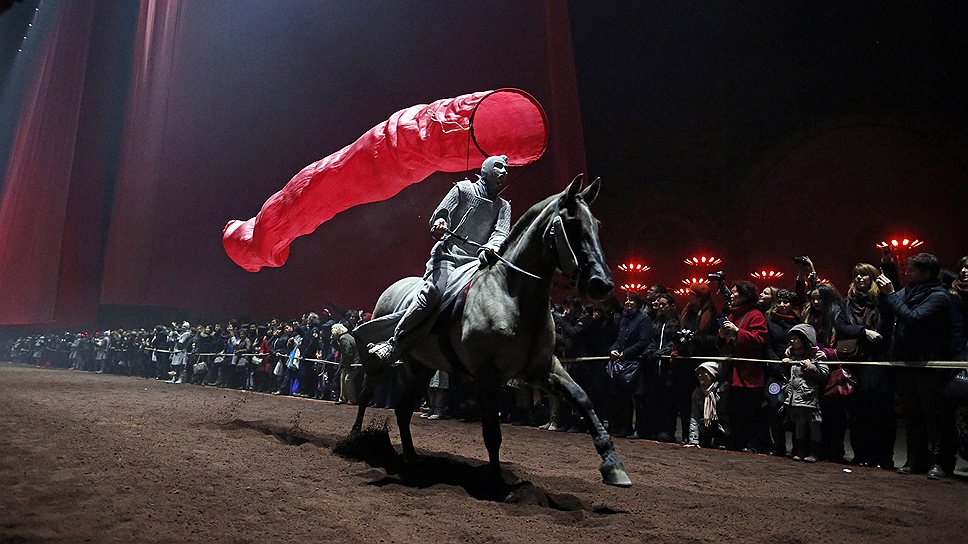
point(864, 328)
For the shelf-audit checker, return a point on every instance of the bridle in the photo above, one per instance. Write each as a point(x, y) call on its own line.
point(556, 238)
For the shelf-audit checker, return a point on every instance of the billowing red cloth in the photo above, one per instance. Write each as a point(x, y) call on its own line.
point(449, 135)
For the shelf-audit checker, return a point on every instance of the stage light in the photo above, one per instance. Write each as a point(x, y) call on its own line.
point(767, 274)
point(681, 292)
point(633, 287)
point(633, 267)
point(703, 260)
point(904, 244)
point(689, 281)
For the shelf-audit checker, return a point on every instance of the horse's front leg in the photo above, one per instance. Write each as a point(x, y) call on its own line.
point(560, 383)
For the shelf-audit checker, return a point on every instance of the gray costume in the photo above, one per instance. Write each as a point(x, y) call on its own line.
point(475, 212)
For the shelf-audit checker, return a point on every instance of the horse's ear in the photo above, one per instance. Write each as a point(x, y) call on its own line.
point(572, 191)
point(590, 193)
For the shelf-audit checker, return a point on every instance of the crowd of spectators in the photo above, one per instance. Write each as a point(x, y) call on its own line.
point(727, 366)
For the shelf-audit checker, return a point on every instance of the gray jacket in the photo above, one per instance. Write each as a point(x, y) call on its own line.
point(806, 386)
point(472, 215)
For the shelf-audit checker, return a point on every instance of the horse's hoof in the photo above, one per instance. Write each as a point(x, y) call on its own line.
point(616, 477)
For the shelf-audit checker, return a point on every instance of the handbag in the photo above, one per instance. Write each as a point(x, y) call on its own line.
point(219, 359)
point(955, 390)
point(279, 368)
point(241, 361)
point(257, 360)
point(200, 367)
point(624, 372)
point(848, 349)
point(840, 384)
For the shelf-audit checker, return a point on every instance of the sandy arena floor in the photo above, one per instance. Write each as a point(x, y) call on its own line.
point(97, 458)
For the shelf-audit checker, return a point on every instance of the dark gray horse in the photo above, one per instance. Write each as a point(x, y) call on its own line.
point(505, 330)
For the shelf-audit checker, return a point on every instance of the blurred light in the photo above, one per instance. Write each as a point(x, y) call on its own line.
point(681, 292)
point(690, 281)
point(634, 267)
point(902, 244)
point(767, 274)
point(634, 287)
point(703, 260)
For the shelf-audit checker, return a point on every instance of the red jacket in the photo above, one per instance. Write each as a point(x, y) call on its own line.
point(749, 344)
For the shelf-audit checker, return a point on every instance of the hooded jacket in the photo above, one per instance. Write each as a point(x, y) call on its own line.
point(805, 386)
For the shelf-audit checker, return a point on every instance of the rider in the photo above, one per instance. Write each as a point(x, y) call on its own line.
point(473, 211)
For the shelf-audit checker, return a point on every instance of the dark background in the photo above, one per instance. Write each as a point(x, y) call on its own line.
point(755, 131)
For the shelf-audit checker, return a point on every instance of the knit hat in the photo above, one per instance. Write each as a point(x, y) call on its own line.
point(712, 367)
point(808, 332)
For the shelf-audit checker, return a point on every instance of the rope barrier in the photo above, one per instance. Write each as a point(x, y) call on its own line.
point(901, 364)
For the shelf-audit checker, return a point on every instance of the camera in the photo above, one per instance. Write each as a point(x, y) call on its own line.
point(716, 276)
point(800, 261)
point(686, 336)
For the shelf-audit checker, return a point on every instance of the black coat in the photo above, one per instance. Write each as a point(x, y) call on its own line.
point(634, 335)
point(922, 331)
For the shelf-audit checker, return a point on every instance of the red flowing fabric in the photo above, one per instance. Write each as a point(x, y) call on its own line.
point(449, 135)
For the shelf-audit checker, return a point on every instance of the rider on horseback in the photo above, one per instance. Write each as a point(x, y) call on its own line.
point(481, 221)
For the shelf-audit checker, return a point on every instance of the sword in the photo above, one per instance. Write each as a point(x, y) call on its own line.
point(500, 258)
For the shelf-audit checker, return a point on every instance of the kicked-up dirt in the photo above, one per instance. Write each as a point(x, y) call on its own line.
point(99, 458)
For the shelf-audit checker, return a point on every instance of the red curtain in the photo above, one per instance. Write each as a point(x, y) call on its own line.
point(36, 191)
point(222, 99)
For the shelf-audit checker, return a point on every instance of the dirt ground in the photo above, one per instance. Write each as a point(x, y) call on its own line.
point(97, 458)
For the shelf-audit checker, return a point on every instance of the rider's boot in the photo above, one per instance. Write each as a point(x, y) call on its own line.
point(389, 350)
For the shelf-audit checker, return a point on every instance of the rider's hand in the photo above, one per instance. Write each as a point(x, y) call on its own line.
point(487, 256)
point(439, 226)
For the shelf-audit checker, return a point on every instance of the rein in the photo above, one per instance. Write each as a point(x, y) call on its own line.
point(554, 237)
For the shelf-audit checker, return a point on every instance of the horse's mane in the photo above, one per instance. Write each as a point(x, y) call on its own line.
point(527, 219)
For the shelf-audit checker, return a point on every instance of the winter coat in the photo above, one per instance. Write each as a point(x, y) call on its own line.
point(922, 331)
point(749, 343)
point(634, 335)
point(805, 387)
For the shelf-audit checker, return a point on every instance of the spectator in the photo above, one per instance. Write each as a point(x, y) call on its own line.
point(705, 429)
point(780, 320)
point(349, 361)
point(634, 336)
point(744, 335)
point(864, 329)
point(658, 410)
point(922, 332)
point(808, 376)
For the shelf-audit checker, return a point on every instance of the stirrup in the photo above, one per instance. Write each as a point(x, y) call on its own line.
point(384, 351)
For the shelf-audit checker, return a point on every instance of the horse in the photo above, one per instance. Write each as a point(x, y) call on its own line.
point(505, 330)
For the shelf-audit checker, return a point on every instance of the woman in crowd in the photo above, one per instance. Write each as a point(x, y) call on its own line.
point(864, 327)
point(780, 320)
point(744, 335)
point(657, 410)
point(823, 306)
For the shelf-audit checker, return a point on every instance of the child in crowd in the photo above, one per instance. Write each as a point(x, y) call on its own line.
point(704, 426)
point(808, 376)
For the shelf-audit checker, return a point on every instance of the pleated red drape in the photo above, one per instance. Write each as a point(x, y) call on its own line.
point(37, 186)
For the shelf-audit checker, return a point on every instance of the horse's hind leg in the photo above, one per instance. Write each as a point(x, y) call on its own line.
point(418, 379)
point(560, 383)
point(491, 424)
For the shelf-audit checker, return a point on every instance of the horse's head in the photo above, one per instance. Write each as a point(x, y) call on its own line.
point(572, 234)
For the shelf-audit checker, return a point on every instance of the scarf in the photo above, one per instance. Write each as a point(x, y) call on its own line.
point(960, 287)
point(862, 310)
point(915, 293)
point(709, 405)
